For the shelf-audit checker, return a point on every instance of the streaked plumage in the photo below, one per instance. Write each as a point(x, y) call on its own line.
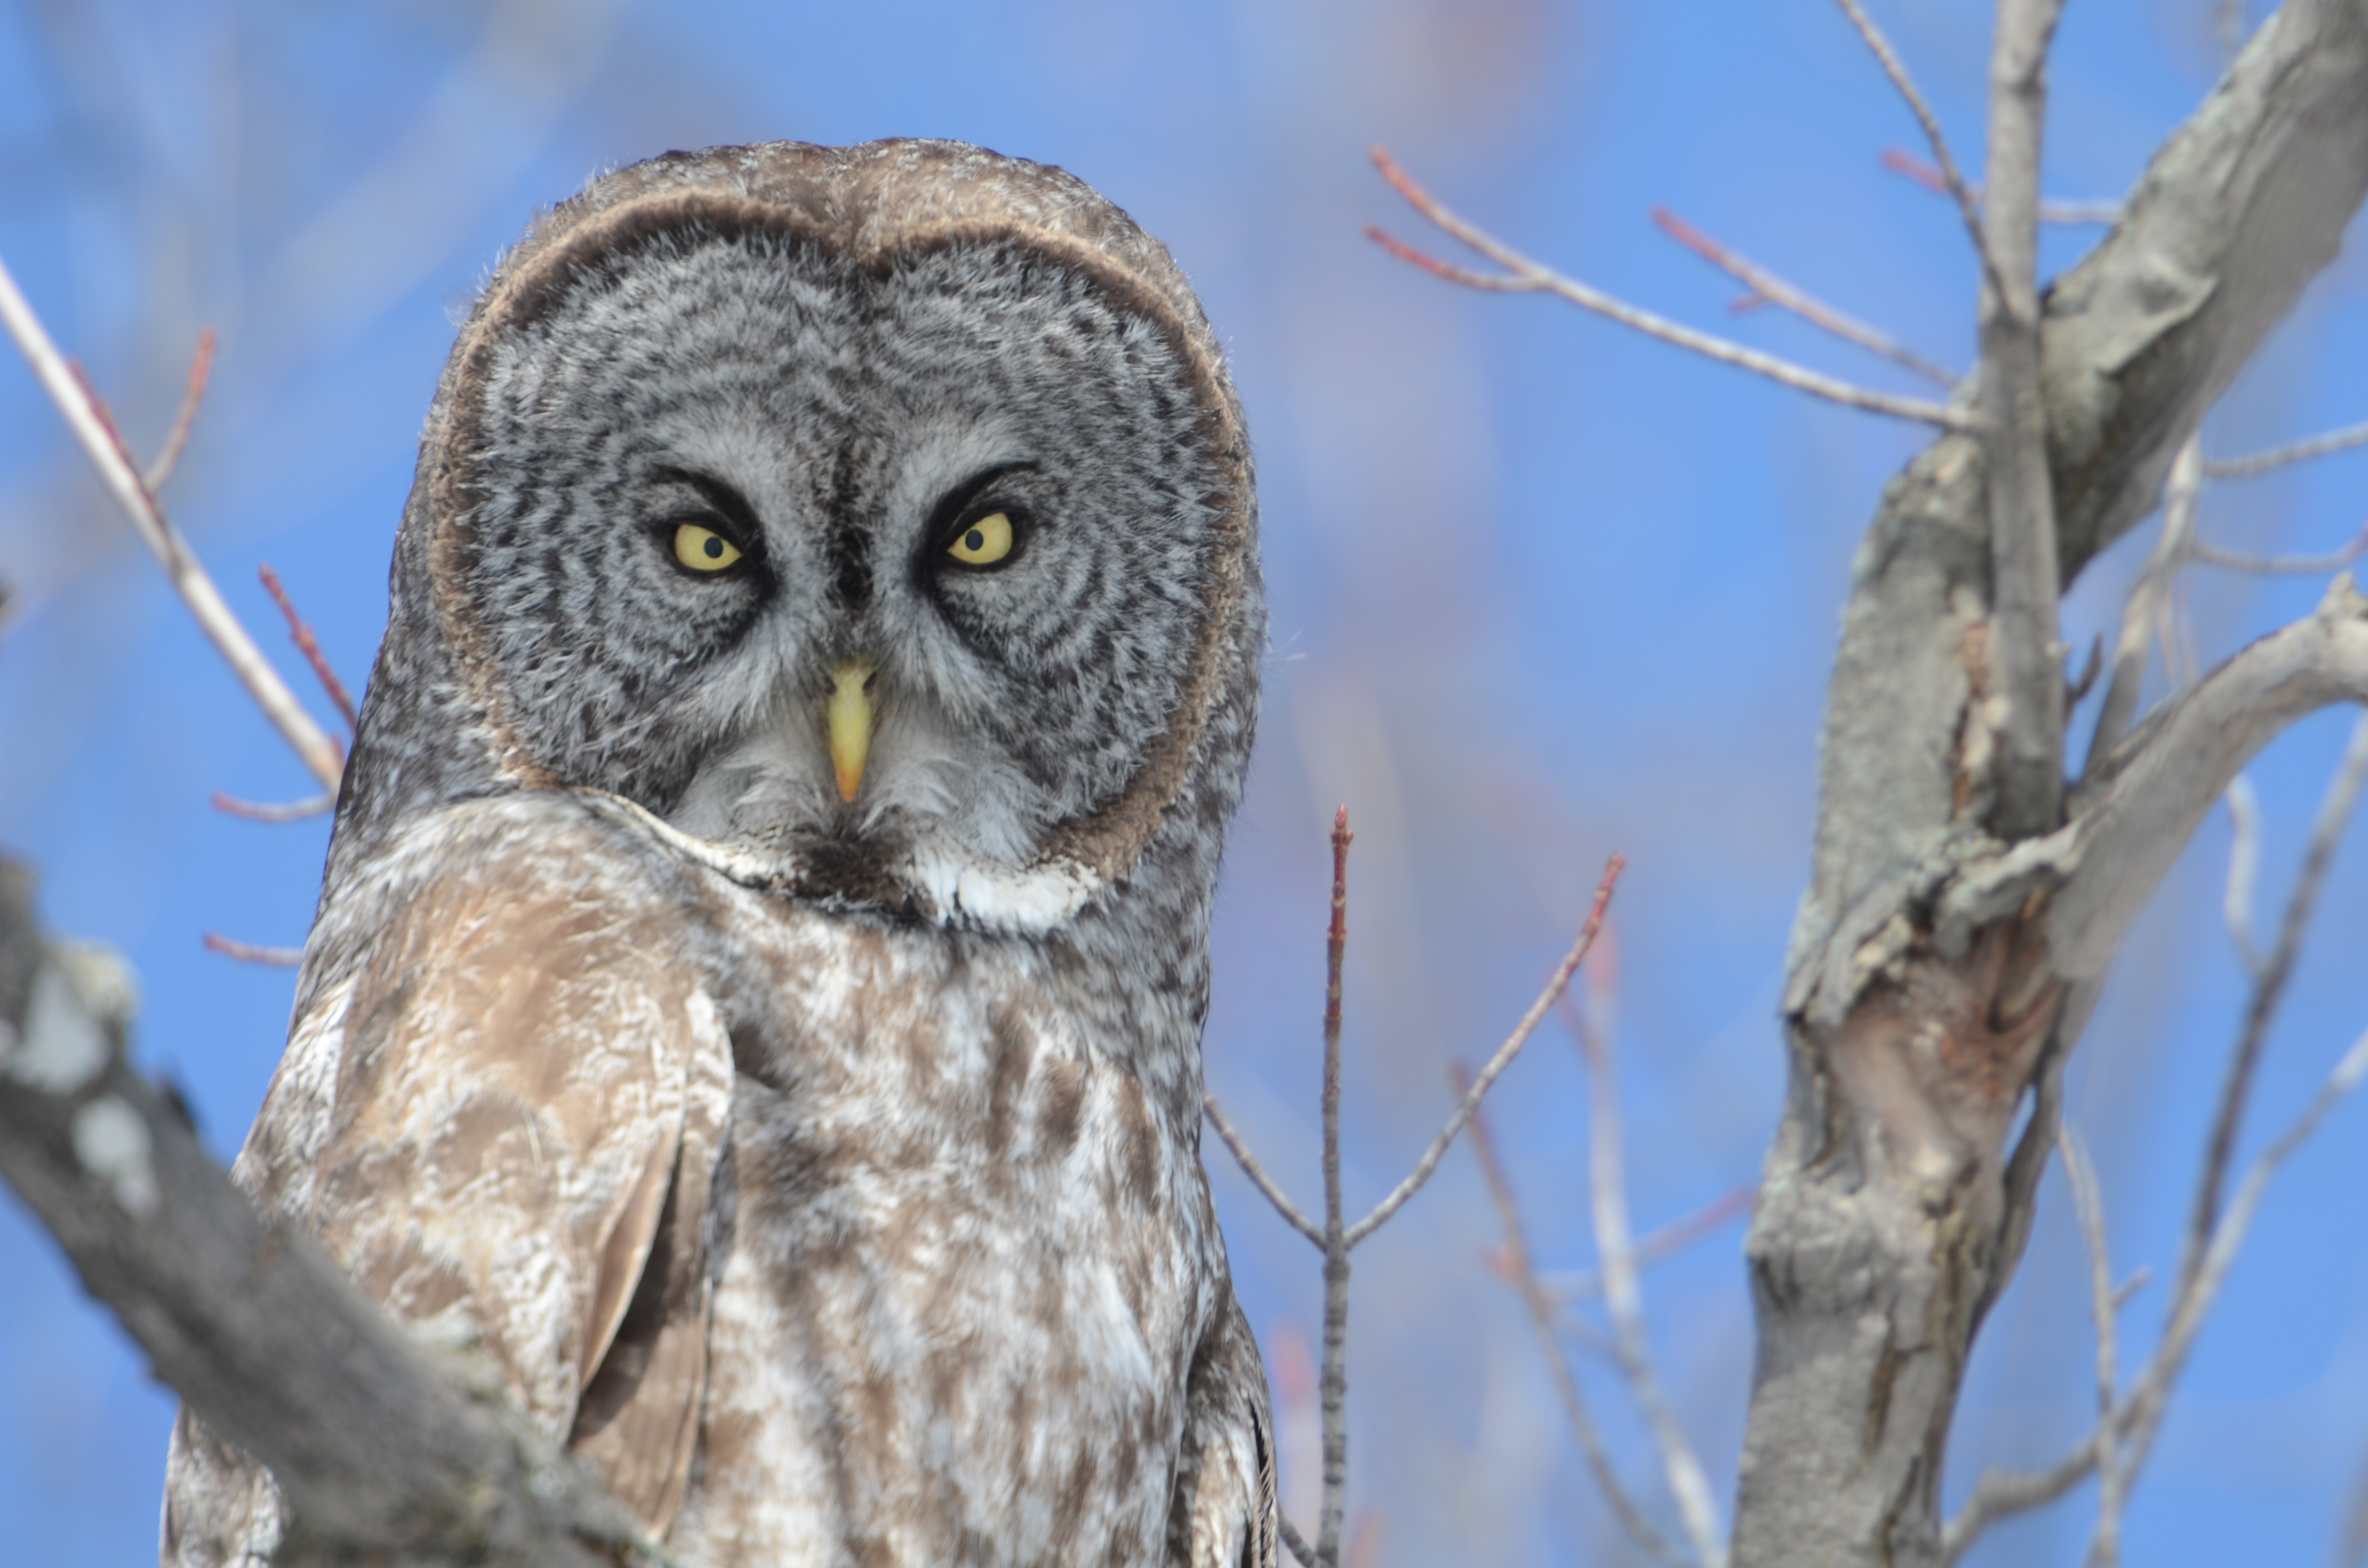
point(825, 1170)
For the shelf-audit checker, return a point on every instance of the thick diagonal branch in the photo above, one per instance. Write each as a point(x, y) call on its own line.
point(380, 1454)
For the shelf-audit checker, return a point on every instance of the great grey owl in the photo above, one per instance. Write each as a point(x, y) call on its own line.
point(757, 995)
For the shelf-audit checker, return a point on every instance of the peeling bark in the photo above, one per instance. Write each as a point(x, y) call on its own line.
point(1940, 973)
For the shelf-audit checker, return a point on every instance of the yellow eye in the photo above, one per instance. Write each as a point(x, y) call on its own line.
point(983, 543)
point(703, 550)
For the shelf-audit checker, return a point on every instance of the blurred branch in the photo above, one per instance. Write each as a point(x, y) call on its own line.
point(2279, 456)
point(2244, 869)
point(1906, 164)
point(202, 365)
point(2269, 990)
point(1541, 1303)
point(2294, 565)
point(2147, 597)
point(381, 1455)
point(265, 811)
point(248, 953)
point(1257, 1173)
point(2089, 1203)
point(2136, 1419)
point(1952, 180)
point(1768, 288)
point(86, 416)
point(1579, 1284)
point(1523, 276)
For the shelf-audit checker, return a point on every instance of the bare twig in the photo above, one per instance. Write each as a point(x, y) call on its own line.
point(1953, 179)
point(1257, 1173)
point(1901, 162)
point(1623, 1298)
point(2294, 452)
point(248, 953)
point(2294, 565)
point(201, 364)
point(273, 810)
point(2244, 870)
point(309, 646)
point(1497, 1064)
point(2089, 1203)
point(1296, 1541)
point(1542, 1318)
point(1524, 276)
point(103, 445)
point(2029, 770)
point(1335, 1385)
point(1579, 1284)
point(1767, 287)
point(2269, 990)
point(2145, 601)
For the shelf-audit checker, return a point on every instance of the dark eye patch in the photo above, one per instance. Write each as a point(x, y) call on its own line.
point(961, 507)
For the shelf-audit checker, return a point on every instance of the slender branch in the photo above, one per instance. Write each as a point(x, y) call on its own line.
point(1541, 1303)
point(201, 364)
point(1470, 1105)
point(1953, 179)
point(309, 646)
point(2089, 1203)
point(1335, 1385)
point(2244, 869)
point(1257, 1173)
point(1901, 162)
point(86, 416)
point(1767, 287)
point(1525, 276)
point(1625, 1300)
point(272, 810)
point(2269, 990)
point(248, 953)
point(2029, 770)
point(2294, 452)
point(2147, 597)
point(1296, 1541)
point(2296, 565)
point(1582, 1284)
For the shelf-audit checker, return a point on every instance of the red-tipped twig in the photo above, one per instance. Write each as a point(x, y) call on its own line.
point(1768, 288)
point(248, 953)
point(1523, 276)
point(1583, 1284)
point(309, 646)
point(1951, 181)
point(201, 364)
point(273, 810)
point(87, 415)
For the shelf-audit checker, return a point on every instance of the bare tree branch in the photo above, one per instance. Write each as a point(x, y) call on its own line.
point(1523, 1272)
point(168, 457)
point(1768, 288)
point(2089, 1203)
point(102, 443)
point(1497, 1064)
point(1623, 1300)
point(267, 811)
point(1906, 164)
point(378, 1451)
point(1335, 1383)
point(309, 646)
point(2244, 868)
point(2289, 565)
point(1524, 276)
point(248, 953)
point(2294, 452)
point(1257, 1173)
point(1582, 1284)
point(2024, 658)
point(2145, 601)
point(1953, 179)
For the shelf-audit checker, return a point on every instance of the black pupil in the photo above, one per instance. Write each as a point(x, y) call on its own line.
point(714, 548)
point(974, 540)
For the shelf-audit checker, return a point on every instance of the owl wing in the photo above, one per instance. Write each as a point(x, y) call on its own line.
point(1225, 1510)
point(506, 1123)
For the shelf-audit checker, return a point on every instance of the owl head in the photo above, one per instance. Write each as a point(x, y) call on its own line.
point(877, 519)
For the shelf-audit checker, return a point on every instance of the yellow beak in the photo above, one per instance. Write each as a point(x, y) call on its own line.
point(851, 724)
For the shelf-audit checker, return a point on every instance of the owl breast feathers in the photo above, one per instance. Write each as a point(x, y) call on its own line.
point(754, 1008)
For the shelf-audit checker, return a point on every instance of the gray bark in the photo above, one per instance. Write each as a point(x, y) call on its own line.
point(1949, 945)
point(383, 1455)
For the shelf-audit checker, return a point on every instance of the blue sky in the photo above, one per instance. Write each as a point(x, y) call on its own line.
point(1541, 589)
